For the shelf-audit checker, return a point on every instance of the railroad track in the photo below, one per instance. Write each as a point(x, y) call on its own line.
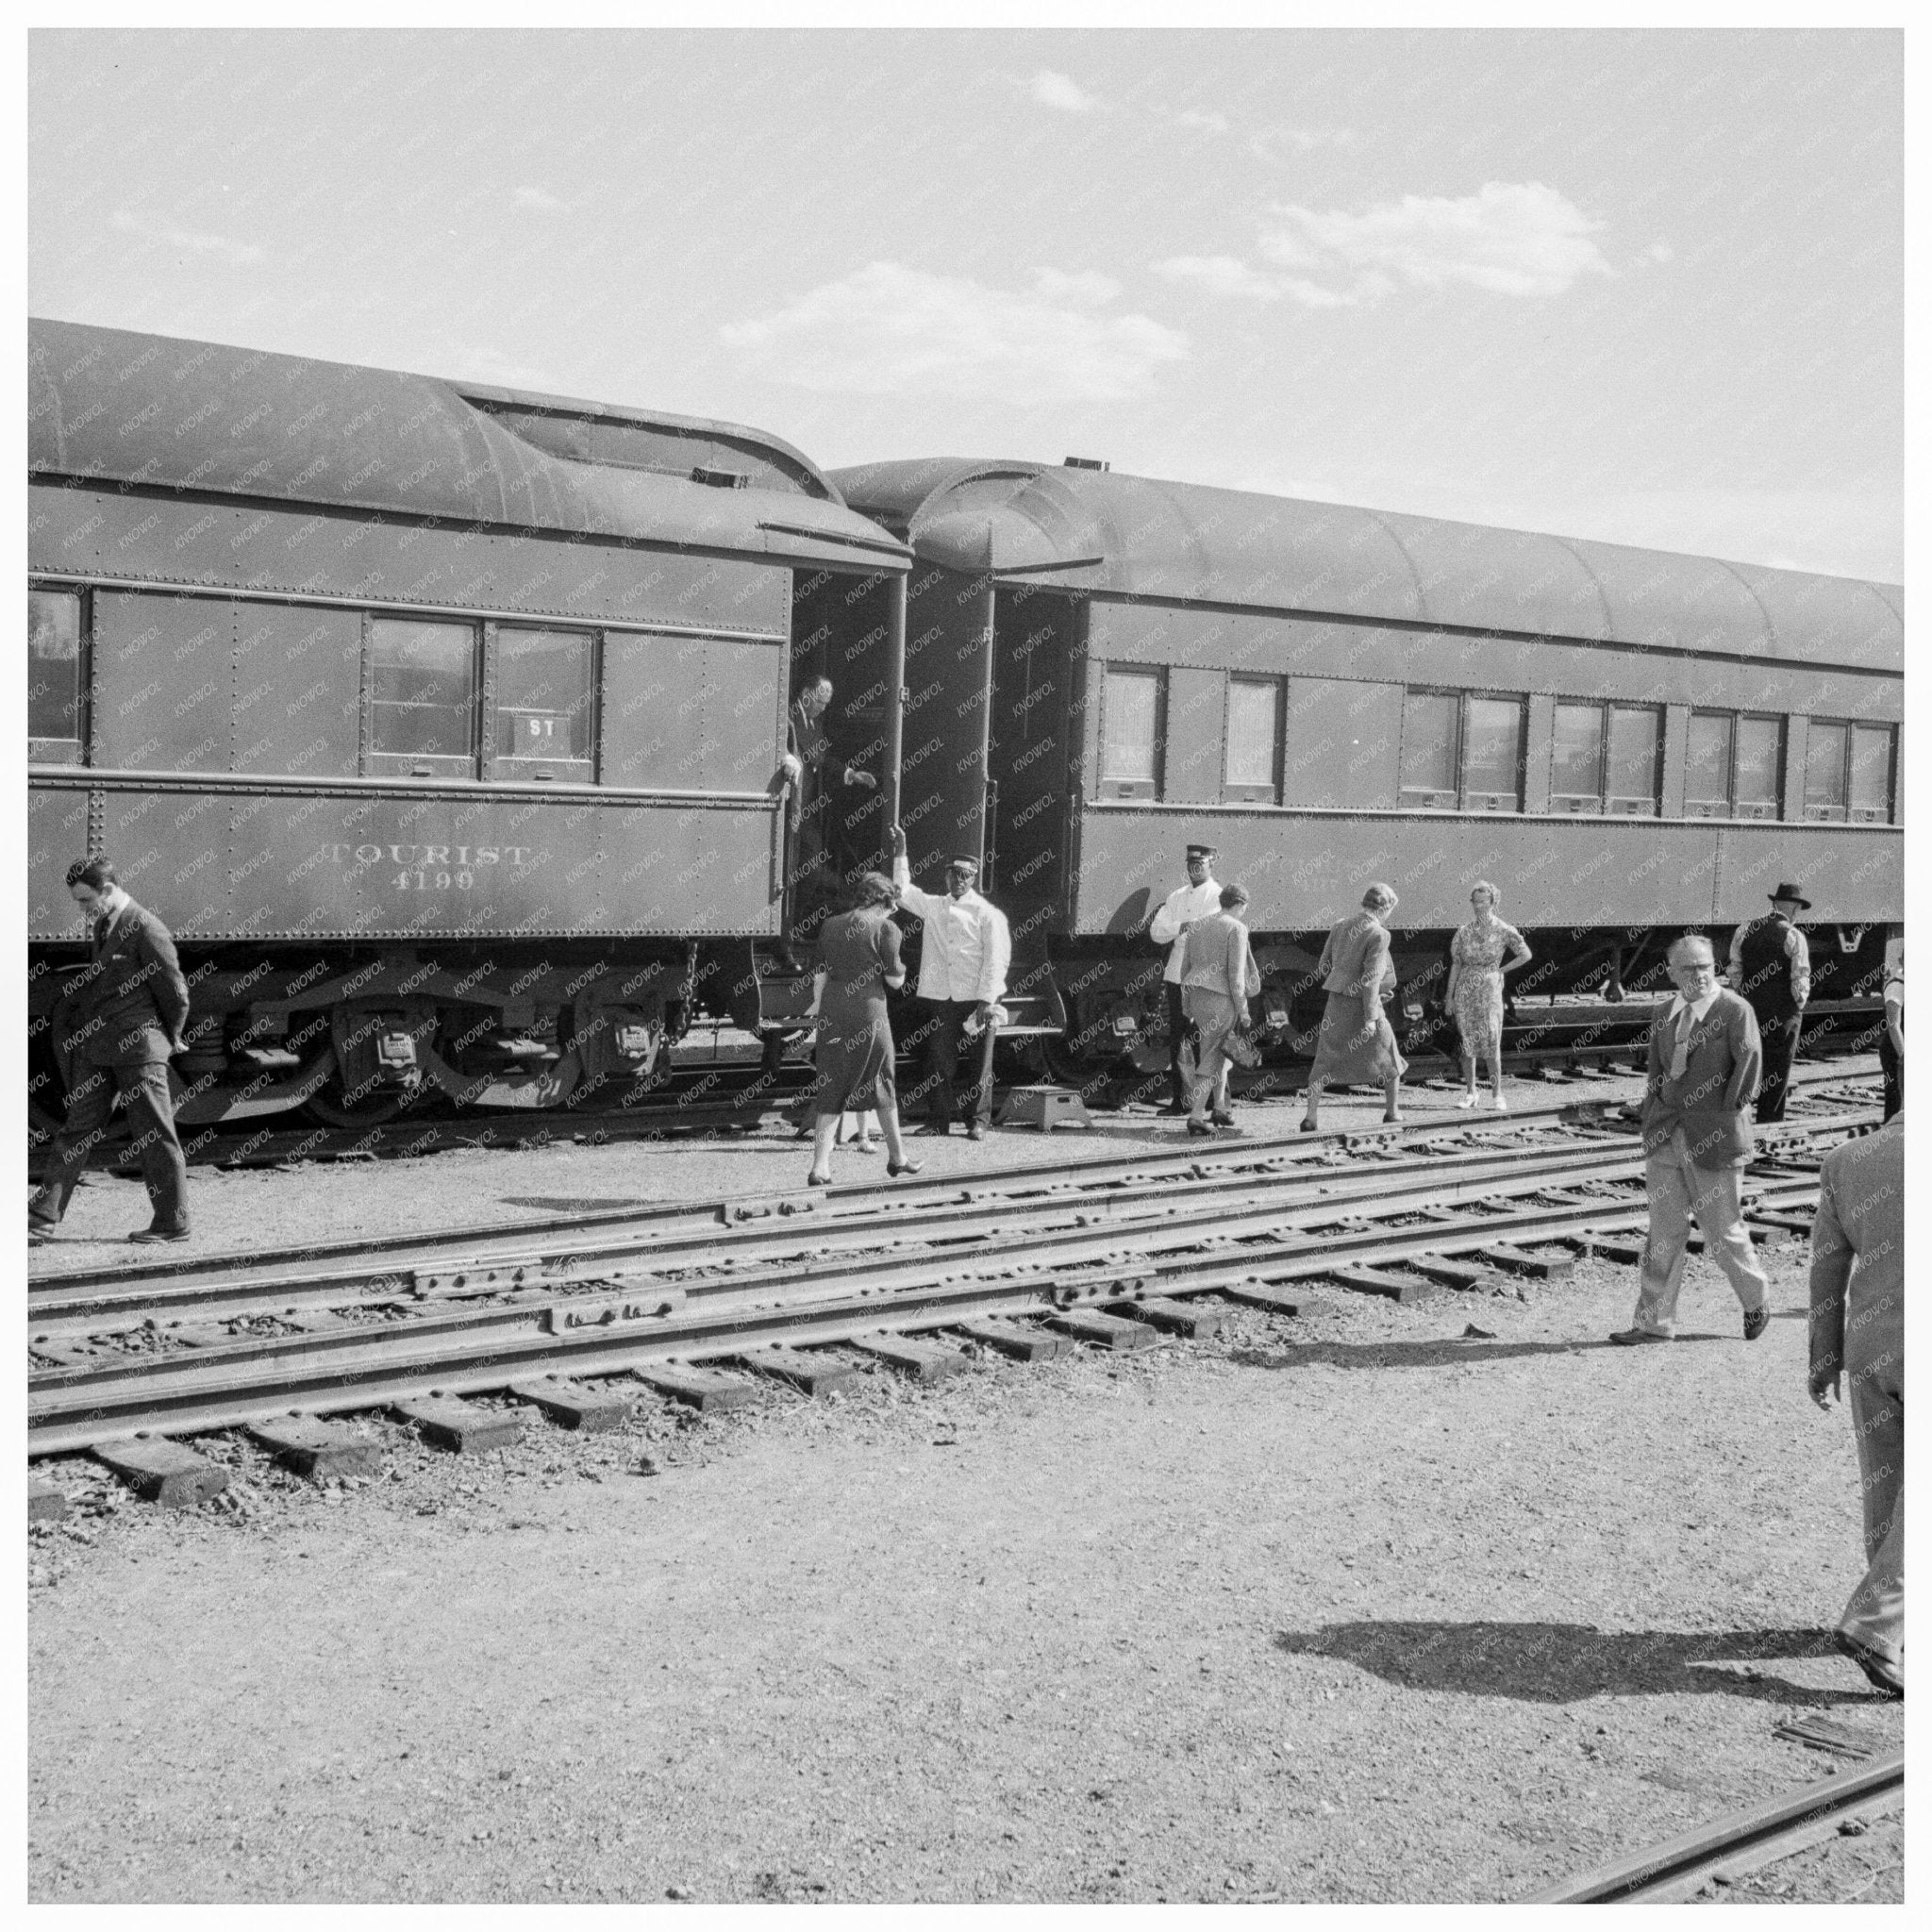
point(808, 1287)
point(1740, 1841)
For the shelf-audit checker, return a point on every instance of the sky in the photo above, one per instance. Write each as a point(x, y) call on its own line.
point(1640, 287)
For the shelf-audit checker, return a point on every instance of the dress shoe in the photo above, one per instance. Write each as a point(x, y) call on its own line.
point(816, 1179)
point(38, 1232)
point(160, 1233)
point(1467, 1100)
point(1201, 1127)
point(1635, 1338)
point(904, 1167)
point(1310, 1127)
point(1880, 1672)
point(976, 1131)
point(1756, 1322)
point(1222, 1118)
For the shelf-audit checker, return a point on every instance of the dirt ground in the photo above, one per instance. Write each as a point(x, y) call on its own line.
point(1356, 1606)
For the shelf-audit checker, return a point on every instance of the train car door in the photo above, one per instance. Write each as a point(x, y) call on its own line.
point(942, 769)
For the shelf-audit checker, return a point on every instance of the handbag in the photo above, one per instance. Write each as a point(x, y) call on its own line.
point(1240, 1047)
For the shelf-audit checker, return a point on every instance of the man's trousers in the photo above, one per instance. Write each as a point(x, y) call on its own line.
point(1777, 1033)
point(150, 1115)
point(1677, 1190)
point(1877, 1614)
point(945, 1023)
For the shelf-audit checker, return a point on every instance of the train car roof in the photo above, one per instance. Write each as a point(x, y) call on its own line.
point(203, 418)
point(1084, 529)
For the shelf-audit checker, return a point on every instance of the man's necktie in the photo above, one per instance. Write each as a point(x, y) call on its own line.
point(1680, 1052)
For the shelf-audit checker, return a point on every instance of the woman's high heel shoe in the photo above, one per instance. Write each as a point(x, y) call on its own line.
point(895, 1168)
point(816, 1179)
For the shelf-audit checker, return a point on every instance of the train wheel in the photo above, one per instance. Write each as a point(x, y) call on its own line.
point(329, 1106)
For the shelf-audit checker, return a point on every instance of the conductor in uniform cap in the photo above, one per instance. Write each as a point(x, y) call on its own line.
point(1771, 966)
point(1200, 898)
point(115, 1029)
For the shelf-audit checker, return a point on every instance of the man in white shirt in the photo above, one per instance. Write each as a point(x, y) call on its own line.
point(963, 956)
point(1200, 898)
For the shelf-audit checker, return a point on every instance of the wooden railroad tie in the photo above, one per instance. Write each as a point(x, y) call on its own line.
point(1104, 1330)
point(1457, 1274)
point(924, 1361)
point(700, 1389)
point(312, 1447)
point(1197, 1321)
point(1394, 1288)
point(810, 1375)
point(1021, 1340)
point(44, 1503)
point(163, 1472)
point(1521, 1262)
point(462, 1426)
point(1257, 1295)
point(574, 1405)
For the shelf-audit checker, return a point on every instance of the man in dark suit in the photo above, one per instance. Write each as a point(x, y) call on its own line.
point(1770, 965)
point(1703, 1077)
point(1859, 1332)
point(814, 770)
point(115, 1029)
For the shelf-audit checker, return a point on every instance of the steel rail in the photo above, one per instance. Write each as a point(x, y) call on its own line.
point(1747, 1838)
point(961, 1216)
point(1373, 1140)
point(484, 1349)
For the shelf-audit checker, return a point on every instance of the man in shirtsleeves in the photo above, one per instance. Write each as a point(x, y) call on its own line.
point(1200, 898)
point(1697, 1138)
point(116, 1030)
point(963, 958)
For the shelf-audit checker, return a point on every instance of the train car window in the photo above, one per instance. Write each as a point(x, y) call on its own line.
point(1130, 734)
point(1708, 766)
point(1253, 738)
point(1577, 771)
point(1493, 754)
point(54, 683)
point(1634, 763)
point(1870, 778)
point(1757, 789)
point(544, 683)
point(1431, 749)
point(1824, 769)
point(422, 698)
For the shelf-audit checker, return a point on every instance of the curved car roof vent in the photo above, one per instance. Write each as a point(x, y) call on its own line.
point(1084, 463)
point(721, 479)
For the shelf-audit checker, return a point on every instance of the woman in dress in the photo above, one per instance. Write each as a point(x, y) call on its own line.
point(1357, 1044)
point(856, 958)
point(1480, 953)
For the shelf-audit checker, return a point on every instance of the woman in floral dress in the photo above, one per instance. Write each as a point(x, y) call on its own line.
point(1480, 953)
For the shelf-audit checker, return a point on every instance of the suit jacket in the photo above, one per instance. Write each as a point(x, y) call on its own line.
point(819, 766)
point(1356, 959)
point(1720, 1082)
point(1216, 958)
point(1858, 1312)
point(131, 1000)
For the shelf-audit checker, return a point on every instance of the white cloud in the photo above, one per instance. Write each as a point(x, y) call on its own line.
point(1060, 90)
point(540, 198)
point(1201, 118)
point(236, 254)
point(891, 330)
point(1659, 251)
point(1509, 237)
point(1227, 275)
point(1278, 144)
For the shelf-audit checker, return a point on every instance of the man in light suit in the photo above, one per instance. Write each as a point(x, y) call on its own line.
point(1857, 1332)
point(1697, 1139)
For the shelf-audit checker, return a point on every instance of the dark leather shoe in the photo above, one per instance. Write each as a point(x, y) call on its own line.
point(160, 1233)
point(904, 1167)
point(1201, 1127)
point(1636, 1337)
point(976, 1131)
point(1756, 1322)
point(1880, 1672)
point(1222, 1118)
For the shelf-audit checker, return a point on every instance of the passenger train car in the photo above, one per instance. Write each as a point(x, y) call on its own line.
point(1626, 741)
point(444, 725)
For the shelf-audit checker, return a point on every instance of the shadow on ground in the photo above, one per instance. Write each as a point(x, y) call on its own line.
point(1563, 1663)
point(1420, 1354)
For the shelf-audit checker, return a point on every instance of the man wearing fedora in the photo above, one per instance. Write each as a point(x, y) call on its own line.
point(1771, 966)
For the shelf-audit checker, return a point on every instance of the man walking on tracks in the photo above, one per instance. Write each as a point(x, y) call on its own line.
point(1858, 1331)
point(963, 958)
point(116, 1028)
point(1770, 965)
point(1200, 898)
point(1704, 1060)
